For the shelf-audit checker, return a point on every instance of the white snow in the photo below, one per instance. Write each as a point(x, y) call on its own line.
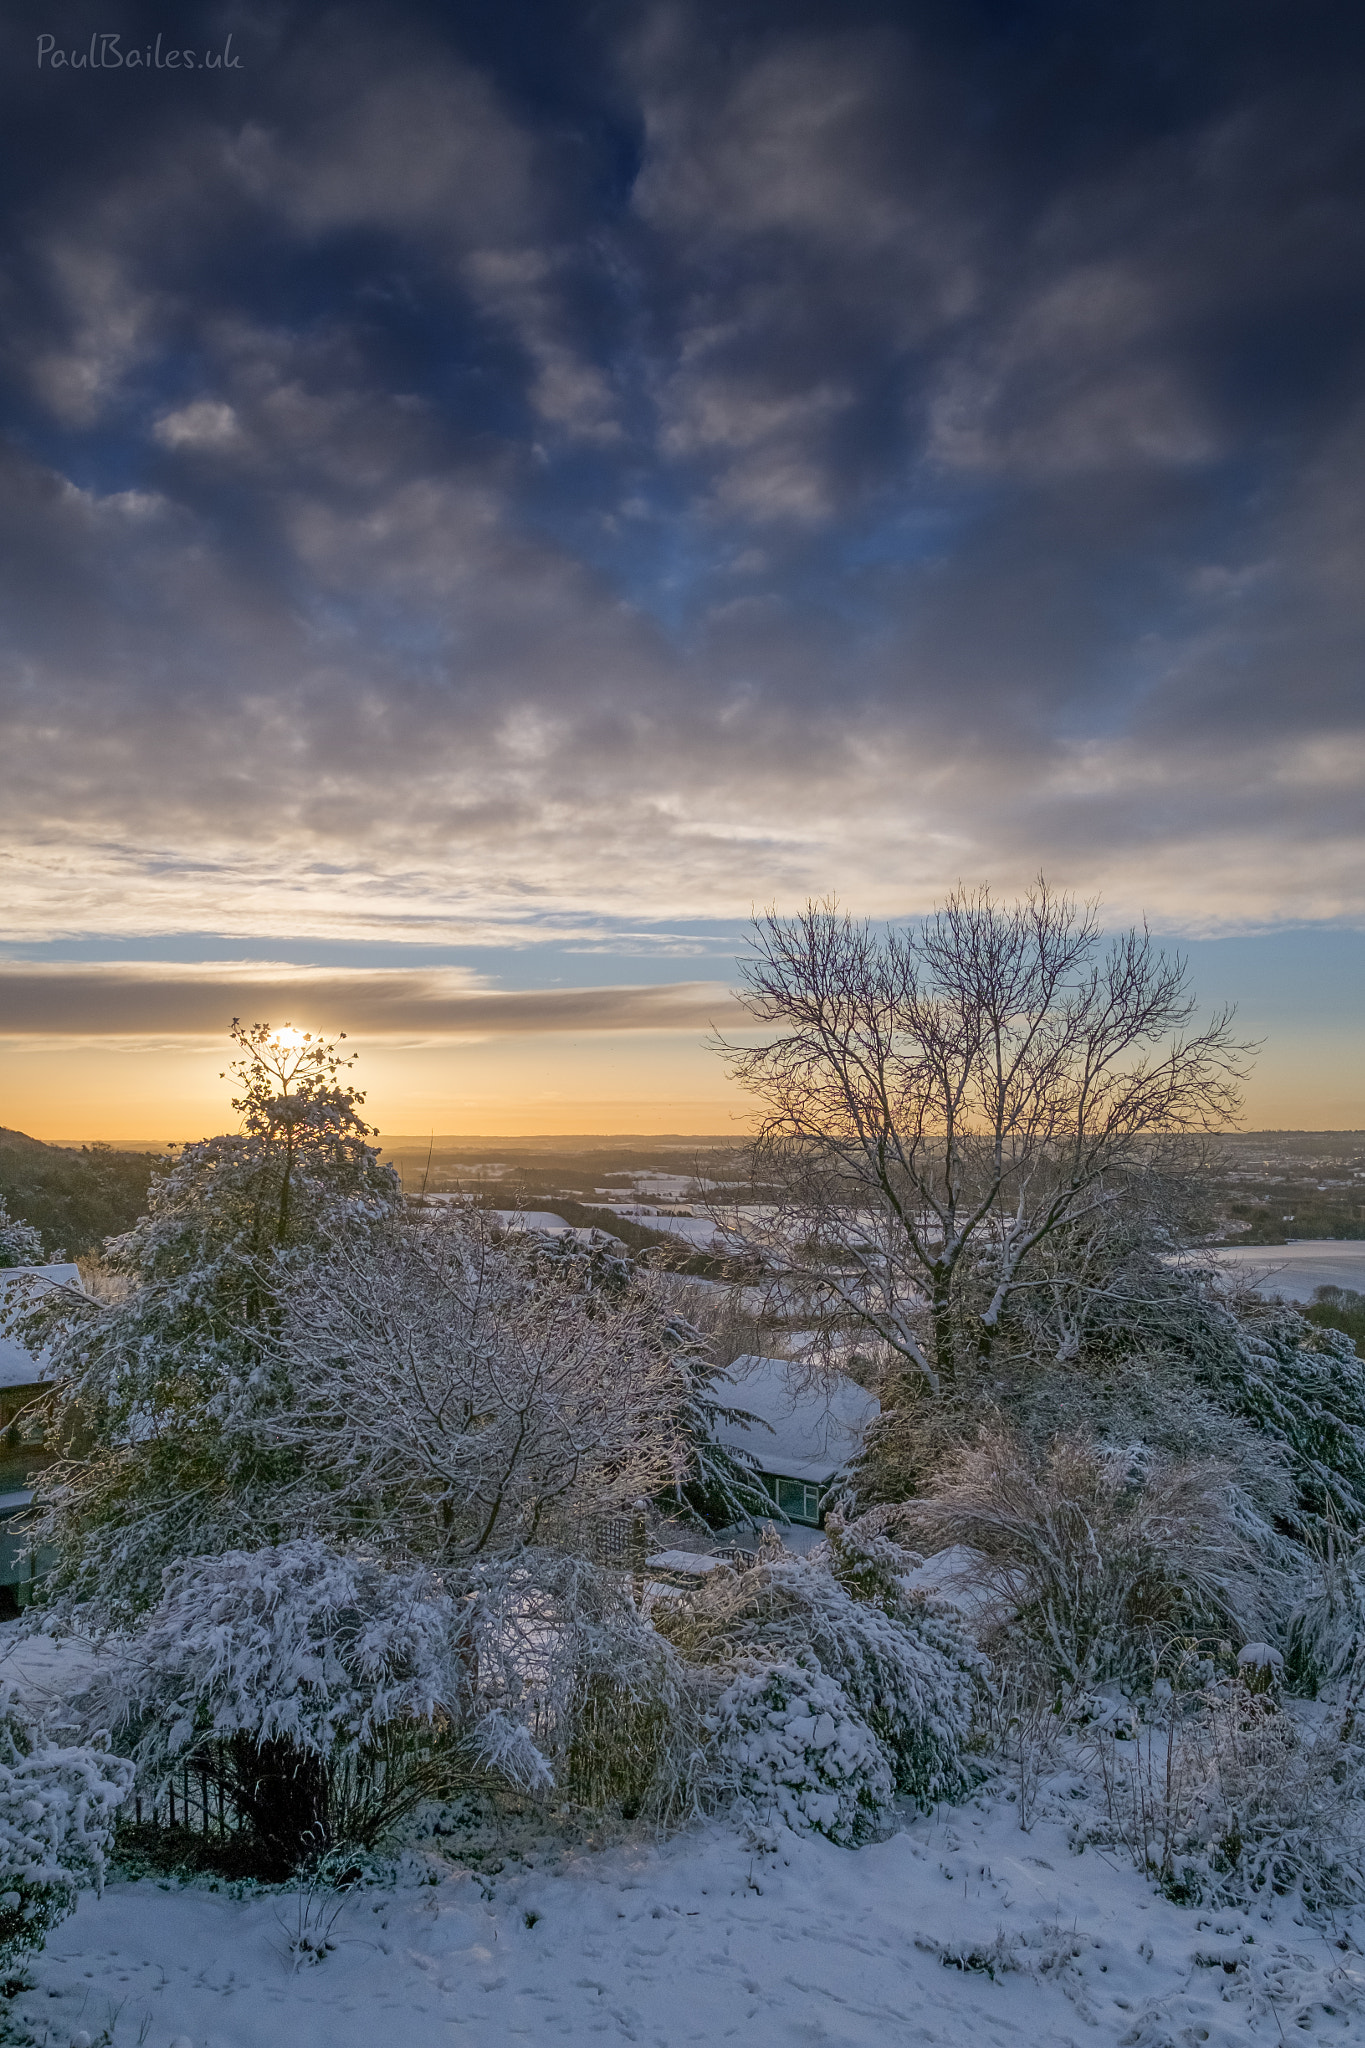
point(707, 1938)
point(1259, 1657)
point(812, 1431)
point(960, 1930)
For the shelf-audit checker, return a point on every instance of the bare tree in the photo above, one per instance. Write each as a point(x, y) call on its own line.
point(940, 1103)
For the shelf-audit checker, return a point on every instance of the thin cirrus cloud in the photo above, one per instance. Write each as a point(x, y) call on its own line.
point(151, 999)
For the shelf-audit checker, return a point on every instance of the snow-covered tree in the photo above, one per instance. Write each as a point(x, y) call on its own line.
point(20, 1243)
point(466, 1391)
point(158, 1392)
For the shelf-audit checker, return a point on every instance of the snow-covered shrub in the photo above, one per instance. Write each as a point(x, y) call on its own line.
point(298, 1643)
point(320, 1691)
point(1091, 1556)
point(20, 1243)
point(561, 1650)
point(789, 1743)
point(903, 1667)
point(1327, 1628)
point(57, 1809)
point(1225, 1796)
point(1304, 1388)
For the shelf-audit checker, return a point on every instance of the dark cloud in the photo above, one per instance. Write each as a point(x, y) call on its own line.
point(140, 999)
point(465, 469)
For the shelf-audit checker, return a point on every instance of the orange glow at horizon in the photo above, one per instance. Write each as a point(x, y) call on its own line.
point(610, 1083)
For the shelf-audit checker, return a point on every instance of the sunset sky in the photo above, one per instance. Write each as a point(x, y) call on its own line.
point(491, 492)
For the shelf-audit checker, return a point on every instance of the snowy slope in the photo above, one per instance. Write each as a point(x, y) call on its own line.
point(704, 1939)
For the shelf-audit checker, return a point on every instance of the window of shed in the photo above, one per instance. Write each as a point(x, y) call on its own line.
point(800, 1501)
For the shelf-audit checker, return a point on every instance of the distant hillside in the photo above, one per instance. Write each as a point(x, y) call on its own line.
point(76, 1199)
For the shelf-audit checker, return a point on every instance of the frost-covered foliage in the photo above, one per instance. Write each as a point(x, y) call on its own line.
point(793, 1746)
point(1303, 1388)
point(57, 1809)
point(1092, 1558)
point(297, 1643)
point(469, 1391)
point(1226, 1796)
point(902, 1666)
point(1327, 1627)
point(20, 1243)
point(166, 1382)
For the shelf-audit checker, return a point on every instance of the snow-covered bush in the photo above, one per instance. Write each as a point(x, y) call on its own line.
point(20, 1243)
point(904, 1668)
point(476, 1391)
point(1304, 1389)
point(561, 1649)
point(789, 1743)
point(57, 1809)
point(1092, 1557)
point(296, 1643)
point(1327, 1628)
point(1225, 1796)
point(320, 1691)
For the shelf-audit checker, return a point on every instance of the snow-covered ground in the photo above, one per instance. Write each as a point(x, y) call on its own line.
point(960, 1930)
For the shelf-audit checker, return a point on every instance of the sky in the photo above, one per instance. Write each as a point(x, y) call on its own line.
point(491, 493)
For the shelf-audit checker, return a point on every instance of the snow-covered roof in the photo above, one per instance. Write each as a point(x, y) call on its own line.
point(18, 1367)
point(813, 1431)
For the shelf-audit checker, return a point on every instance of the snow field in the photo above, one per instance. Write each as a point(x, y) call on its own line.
point(959, 1931)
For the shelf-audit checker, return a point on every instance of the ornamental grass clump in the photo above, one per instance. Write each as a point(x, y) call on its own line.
point(1092, 1557)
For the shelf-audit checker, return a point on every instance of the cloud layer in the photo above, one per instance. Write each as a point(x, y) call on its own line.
point(147, 999)
point(460, 477)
